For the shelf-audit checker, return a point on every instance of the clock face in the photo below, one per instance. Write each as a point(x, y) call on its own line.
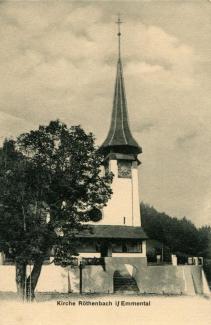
point(124, 169)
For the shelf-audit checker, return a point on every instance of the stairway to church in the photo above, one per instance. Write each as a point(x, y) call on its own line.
point(124, 283)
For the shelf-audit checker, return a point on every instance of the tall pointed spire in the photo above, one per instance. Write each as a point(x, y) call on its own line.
point(119, 138)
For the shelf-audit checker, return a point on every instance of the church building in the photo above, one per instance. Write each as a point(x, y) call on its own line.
point(112, 252)
point(119, 232)
point(117, 240)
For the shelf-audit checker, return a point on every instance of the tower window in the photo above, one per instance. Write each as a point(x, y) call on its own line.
point(124, 220)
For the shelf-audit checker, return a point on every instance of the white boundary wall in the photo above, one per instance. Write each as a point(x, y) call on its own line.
point(52, 278)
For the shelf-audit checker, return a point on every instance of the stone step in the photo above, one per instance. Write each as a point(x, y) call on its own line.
point(125, 283)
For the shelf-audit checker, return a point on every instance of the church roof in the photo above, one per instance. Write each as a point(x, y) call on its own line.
point(119, 138)
point(112, 231)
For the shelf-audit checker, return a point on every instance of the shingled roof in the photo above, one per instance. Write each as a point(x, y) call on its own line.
point(119, 138)
point(112, 231)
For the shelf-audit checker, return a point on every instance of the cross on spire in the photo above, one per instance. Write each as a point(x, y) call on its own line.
point(119, 22)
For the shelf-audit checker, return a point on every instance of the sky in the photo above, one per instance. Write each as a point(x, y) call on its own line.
point(58, 60)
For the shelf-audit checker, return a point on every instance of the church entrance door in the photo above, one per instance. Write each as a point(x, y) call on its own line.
point(104, 250)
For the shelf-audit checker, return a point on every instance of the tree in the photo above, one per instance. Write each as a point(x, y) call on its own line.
point(205, 241)
point(51, 183)
point(180, 235)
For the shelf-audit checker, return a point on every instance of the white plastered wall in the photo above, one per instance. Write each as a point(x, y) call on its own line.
point(123, 207)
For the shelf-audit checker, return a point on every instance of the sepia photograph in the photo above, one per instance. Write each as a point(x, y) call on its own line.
point(105, 155)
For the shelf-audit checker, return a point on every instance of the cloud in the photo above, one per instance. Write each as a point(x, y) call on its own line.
point(58, 60)
point(143, 68)
point(12, 126)
point(145, 126)
point(186, 138)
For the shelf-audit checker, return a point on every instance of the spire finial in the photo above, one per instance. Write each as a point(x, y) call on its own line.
point(119, 22)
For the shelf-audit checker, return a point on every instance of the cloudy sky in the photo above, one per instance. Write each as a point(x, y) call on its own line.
point(58, 60)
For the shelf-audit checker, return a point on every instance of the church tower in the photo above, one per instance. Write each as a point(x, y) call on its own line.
point(118, 236)
point(121, 158)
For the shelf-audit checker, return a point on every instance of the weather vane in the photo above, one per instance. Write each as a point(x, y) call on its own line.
point(119, 22)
